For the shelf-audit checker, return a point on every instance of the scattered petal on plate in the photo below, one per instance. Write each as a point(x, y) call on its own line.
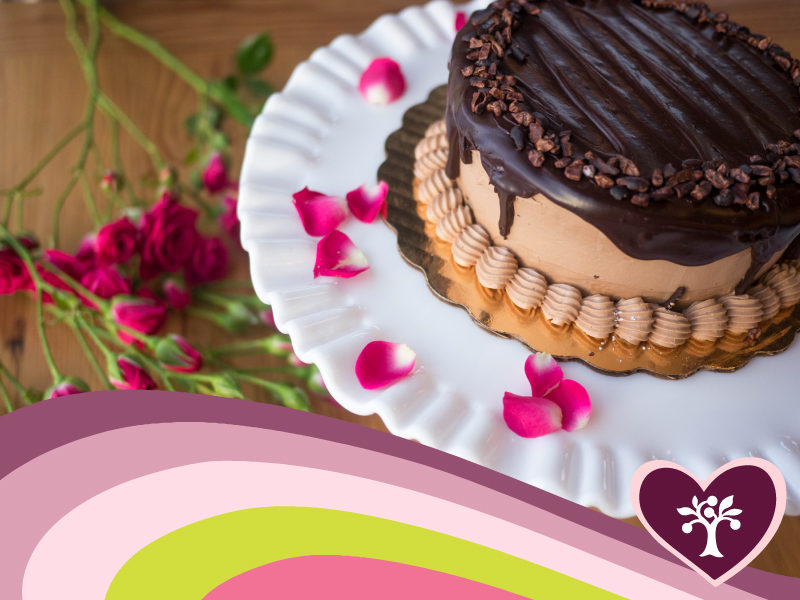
point(574, 402)
point(382, 82)
point(543, 372)
point(338, 256)
point(382, 364)
point(531, 417)
point(320, 214)
point(366, 202)
point(461, 20)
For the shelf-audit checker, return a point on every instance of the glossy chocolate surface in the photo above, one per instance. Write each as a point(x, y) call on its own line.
point(648, 84)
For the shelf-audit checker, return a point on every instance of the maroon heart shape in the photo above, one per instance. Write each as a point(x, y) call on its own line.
point(716, 527)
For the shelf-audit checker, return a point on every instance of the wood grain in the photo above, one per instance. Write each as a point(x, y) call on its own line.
point(42, 96)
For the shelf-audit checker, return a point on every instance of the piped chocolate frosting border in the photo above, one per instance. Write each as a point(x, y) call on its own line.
point(697, 212)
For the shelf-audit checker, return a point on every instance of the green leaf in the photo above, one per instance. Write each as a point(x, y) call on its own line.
point(254, 54)
point(259, 87)
point(191, 124)
point(291, 397)
point(231, 82)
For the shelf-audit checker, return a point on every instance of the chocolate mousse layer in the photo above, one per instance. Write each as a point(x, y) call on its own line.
point(669, 128)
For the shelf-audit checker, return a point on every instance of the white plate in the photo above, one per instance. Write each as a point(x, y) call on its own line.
point(320, 133)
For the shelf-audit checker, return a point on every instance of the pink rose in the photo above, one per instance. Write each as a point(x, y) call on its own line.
point(14, 275)
point(228, 220)
point(170, 237)
point(67, 387)
point(85, 252)
point(177, 293)
point(129, 375)
point(144, 315)
point(209, 262)
point(70, 265)
point(215, 175)
point(177, 354)
point(105, 282)
point(116, 242)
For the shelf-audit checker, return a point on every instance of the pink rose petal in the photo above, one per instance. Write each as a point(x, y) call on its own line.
point(382, 82)
point(338, 256)
point(543, 372)
point(574, 402)
point(531, 417)
point(382, 364)
point(320, 214)
point(461, 20)
point(367, 202)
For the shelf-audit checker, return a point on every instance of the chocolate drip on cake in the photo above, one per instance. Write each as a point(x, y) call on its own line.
point(671, 129)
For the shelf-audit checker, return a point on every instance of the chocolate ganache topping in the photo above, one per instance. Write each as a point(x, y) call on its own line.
point(670, 128)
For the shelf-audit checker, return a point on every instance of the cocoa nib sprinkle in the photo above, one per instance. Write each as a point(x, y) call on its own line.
point(694, 180)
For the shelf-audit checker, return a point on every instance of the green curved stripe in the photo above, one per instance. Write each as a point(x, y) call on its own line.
point(190, 562)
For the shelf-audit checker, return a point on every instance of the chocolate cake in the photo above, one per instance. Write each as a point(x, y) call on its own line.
point(621, 159)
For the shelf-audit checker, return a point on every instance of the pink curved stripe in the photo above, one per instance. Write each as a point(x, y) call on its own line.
point(85, 468)
point(35, 430)
point(353, 578)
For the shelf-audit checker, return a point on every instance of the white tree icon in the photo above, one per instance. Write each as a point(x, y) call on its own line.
point(711, 519)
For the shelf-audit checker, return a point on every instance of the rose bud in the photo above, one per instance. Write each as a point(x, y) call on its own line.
point(229, 220)
point(117, 242)
point(105, 282)
point(14, 275)
point(278, 345)
point(111, 182)
point(140, 314)
point(267, 317)
point(177, 293)
point(215, 175)
point(28, 241)
point(209, 262)
point(177, 354)
point(226, 387)
point(128, 374)
point(168, 177)
point(169, 237)
point(67, 387)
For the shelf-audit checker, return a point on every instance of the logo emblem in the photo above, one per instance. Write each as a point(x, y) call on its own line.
point(717, 526)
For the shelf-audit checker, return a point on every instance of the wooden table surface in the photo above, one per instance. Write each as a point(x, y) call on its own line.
point(42, 95)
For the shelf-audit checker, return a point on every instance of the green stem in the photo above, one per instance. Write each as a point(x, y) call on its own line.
point(117, 157)
point(115, 112)
point(71, 135)
point(20, 212)
point(90, 354)
point(14, 381)
point(217, 93)
point(239, 348)
point(48, 353)
point(90, 203)
point(9, 406)
point(277, 389)
point(59, 205)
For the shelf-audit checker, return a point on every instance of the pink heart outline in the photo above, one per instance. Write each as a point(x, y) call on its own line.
point(780, 508)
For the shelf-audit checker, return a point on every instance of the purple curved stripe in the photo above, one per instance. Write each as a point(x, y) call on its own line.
point(34, 430)
point(351, 577)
